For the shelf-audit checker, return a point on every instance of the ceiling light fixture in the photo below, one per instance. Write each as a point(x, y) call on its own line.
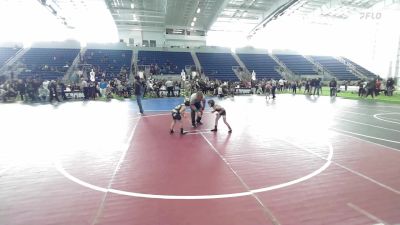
point(194, 19)
point(198, 10)
point(132, 5)
point(192, 24)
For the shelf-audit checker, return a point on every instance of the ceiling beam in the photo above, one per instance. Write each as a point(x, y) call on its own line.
point(273, 13)
point(215, 16)
point(239, 17)
point(138, 15)
point(137, 21)
point(136, 10)
point(250, 10)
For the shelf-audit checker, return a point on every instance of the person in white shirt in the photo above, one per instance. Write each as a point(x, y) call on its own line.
point(281, 83)
point(170, 88)
point(92, 76)
point(220, 92)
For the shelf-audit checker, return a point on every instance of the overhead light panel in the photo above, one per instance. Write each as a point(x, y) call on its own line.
point(198, 10)
point(194, 19)
point(192, 24)
point(132, 6)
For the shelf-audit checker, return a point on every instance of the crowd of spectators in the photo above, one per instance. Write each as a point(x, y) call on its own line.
point(37, 90)
point(375, 87)
point(32, 90)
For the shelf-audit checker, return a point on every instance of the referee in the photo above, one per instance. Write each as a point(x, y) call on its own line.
point(197, 105)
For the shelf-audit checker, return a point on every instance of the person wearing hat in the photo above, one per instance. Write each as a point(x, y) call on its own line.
point(220, 112)
point(177, 113)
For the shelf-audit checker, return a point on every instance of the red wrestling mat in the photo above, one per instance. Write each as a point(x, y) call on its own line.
point(249, 177)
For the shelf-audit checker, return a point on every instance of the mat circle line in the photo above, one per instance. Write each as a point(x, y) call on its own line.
point(61, 170)
point(376, 116)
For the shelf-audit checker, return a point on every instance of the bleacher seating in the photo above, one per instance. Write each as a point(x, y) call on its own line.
point(47, 63)
point(109, 61)
point(262, 64)
point(361, 69)
point(168, 62)
point(6, 54)
point(218, 65)
point(297, 64)
point(335, 67)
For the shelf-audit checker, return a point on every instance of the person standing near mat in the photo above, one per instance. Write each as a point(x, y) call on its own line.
point(273, 84)
point(220, 112)
point(139, 93)
point(197, 105)
point(177, 113)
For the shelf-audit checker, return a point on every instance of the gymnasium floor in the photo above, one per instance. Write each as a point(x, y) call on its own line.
point(297, 160)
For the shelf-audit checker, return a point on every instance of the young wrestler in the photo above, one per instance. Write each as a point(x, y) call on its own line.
point(220, 112)
point(177, 113)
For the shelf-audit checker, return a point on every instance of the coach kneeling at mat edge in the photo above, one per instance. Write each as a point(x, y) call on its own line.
point(197, 105)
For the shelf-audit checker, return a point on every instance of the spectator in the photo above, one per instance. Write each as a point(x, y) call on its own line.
point(21, 89)
point(170, 88)
point(377, 87)
point(53, 91)
point(62, 90)
point(333, 87)
point(317, 84)
point(43, 93)
point(273, 83)
point(85, 89)
point(361, 88)
point(139, 93)
point(103, 87)
point(389, 86)
point(371, 88)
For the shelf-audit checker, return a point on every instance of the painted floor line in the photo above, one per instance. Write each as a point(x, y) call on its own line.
point(366, 124)
point(376, 116)
point(365, 213)
point(269, 213)
point(367, 136)
point(363, 114)
point(352, 171)
point(121, 159)
point(388, 147)
point(368, 178)
point(387, 118)
point(372, 107)
point(60, 169)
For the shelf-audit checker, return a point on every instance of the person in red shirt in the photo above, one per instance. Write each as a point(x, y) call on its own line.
point(377, 86)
